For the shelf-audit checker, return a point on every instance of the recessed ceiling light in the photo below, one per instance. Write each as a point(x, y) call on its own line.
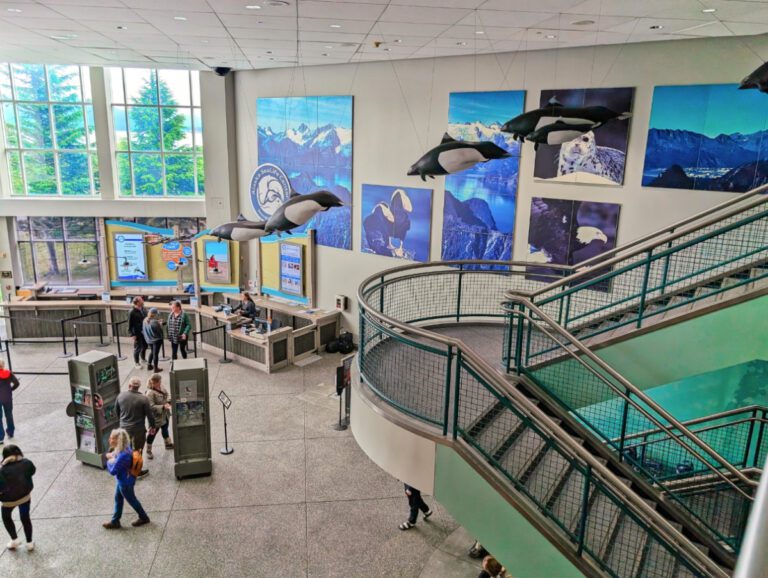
point(64, 36)
point(277, 3)
point(15, 10)
point(656, 27)
point(122, 27)
point(204, 41)
point(479, 32)
point(550, 36)
point(180, 18)
point(253, 7)
point(709, 10)
point(328, 46)
point(461, 44)
point(583, 22)
point(335, 26)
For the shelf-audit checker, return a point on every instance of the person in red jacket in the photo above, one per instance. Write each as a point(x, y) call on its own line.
point(8, 383)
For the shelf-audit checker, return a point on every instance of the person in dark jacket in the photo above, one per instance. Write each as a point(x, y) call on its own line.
point(135, 324)
point(119, 461)
point(416, 503)
point(16, 490)
point(8, 383)
point(179, 329)
point(248, 307)
point(153, 335)
point(492, 568)
point(135, 410)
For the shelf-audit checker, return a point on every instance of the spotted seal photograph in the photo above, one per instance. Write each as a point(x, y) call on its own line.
point(596, 156)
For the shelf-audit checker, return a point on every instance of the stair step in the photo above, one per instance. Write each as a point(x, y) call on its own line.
point(523, 450)
point(657, 561)
point(547, 475)
point(627, 546)
point(567, 504)
point(489, 433)
point(683, 572)
point(601, 523)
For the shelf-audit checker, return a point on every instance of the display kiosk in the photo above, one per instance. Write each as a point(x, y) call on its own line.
point(94, 384)
point(191, 418)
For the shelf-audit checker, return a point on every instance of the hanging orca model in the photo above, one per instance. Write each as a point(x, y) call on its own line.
point(556, 133)
point(299, 209)
point(240, 230)
point(594, 116)
point(757, 79)
point(453, 156)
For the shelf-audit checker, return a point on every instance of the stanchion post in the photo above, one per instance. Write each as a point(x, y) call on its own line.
point(194, 342)
point(224, 345)
point(225, 403)
point(102, 343)
point(8, 355)
point(64, 353)
point(116, 335)
point(77, 344)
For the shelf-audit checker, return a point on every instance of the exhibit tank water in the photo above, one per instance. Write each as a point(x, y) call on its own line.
point(310, 138)
point(479, 213)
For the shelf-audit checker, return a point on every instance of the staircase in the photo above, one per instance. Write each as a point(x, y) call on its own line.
point(615, 502)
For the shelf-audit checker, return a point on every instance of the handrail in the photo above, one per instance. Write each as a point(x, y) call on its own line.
point(484, 370)
point(753, 561)
point(671, 228)
point(583, 270)
point(633, 390)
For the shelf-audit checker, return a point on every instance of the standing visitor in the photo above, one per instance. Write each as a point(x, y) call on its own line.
point(179, 329)
point(8, 383)
point(135, 325)
point(16, 490)
point(134, 410)
point(119, 463)
point(153, 335)
point(416, 503)
point(160, 400)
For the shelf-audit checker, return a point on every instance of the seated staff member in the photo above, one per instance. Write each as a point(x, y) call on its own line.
point(248, 307)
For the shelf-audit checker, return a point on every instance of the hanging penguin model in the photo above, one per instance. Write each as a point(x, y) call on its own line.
point(299, 209)
point(757, 79)
point(240, 230)
point(453, 156)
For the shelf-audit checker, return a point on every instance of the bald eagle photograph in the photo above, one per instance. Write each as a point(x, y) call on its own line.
point(397, 222)
point(568, 232)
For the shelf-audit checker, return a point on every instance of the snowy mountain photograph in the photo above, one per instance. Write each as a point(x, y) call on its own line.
point(479, 213)
point(310, 139)
point(710, 137)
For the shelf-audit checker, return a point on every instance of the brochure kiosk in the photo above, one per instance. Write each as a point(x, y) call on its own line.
point(94, 384)
point(191, 418)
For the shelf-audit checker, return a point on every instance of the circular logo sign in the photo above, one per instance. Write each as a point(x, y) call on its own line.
point(172, 246)
point(186, 251)
point(270, 188)
point(172, 265)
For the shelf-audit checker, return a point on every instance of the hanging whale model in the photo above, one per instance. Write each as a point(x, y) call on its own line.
point(592, 116)
point(299, 209)
point(240, 230)
point(757, 79)
point(453, 156)
point(556, 133)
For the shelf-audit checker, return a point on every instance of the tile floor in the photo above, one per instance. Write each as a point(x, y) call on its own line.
point(295, 499)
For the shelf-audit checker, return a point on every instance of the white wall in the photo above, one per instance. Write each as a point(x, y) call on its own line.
point(394, 126)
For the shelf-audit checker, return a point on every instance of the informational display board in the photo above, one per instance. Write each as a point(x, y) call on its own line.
point(292, 268)
point(217, 262)
point(130, 257)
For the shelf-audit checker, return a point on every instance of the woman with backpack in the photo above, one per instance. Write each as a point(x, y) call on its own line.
point(16, 490)
point(160, 401)
point(124, 464)
point(153, 335)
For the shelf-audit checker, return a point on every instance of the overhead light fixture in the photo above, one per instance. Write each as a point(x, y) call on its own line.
point(121, 27)
point(656, 27)
point(278, 3)
point(550, 36)
point(461, 44)
point(204, 41)
point(583, 22)
point(387, 50)
point(709, 10)
point(335, 26)
point(252, 7)
point(15, 10)
point(398, 40)
point(64, 36)
point(479, 32)
point(329, 46)
point(180, 18)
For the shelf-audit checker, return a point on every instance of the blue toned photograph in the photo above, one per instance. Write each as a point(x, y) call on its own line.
point(479, 213)
point(708, 137)
point(310, 139)
point(397, 222)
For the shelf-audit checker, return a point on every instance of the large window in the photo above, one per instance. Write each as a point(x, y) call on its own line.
point(59, 251)
point(47, 121)
point(158, 132)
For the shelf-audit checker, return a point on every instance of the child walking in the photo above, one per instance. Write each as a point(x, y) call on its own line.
point(16, 490)
point(159, 400)
point(416, 502)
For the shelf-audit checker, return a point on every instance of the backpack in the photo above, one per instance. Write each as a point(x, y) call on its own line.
point(136, 464)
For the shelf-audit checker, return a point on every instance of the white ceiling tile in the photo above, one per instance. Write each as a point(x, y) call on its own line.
point(330, 36)
point(134, 31)
point(416, 41)
point(470, 4)
point(182, 5)
point(566, 22)
point(482, 18)
point(425, 15)
point(239, 21)
point(265, 33)
point(746, 28)
point(491, 32)
point(239, 7)
point(320, 24)
point(28, 10)
point(530, 6)
point(99, 13)
point(637, 8)
point(45, 23)
point(162, 17)
point(344, 11)
point(253, 43)
point(405, 29)
point(102, 3)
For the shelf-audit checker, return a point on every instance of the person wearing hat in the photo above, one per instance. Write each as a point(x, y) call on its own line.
point(153, 335)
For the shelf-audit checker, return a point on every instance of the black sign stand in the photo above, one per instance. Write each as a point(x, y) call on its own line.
point(344, 385)
point(225, 403)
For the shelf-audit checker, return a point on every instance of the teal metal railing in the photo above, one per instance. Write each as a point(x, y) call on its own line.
point(443, 383)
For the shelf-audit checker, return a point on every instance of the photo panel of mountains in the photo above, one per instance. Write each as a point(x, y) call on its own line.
point(479, 213)
point(709, 137)
point(595, 157)
point(567, 232)
point(397, 222)
point(310, 139)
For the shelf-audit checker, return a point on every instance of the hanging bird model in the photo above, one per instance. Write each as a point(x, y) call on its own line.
point(299, 209)
point(240, 230)
point(453, 156)
point(584, 117)
point(757, 79)
point(556, 133)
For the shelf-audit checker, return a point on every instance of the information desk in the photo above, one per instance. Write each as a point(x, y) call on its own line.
point(302, 333)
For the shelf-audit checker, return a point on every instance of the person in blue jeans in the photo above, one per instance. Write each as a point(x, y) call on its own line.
point(8, 383)
point(119, 462)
